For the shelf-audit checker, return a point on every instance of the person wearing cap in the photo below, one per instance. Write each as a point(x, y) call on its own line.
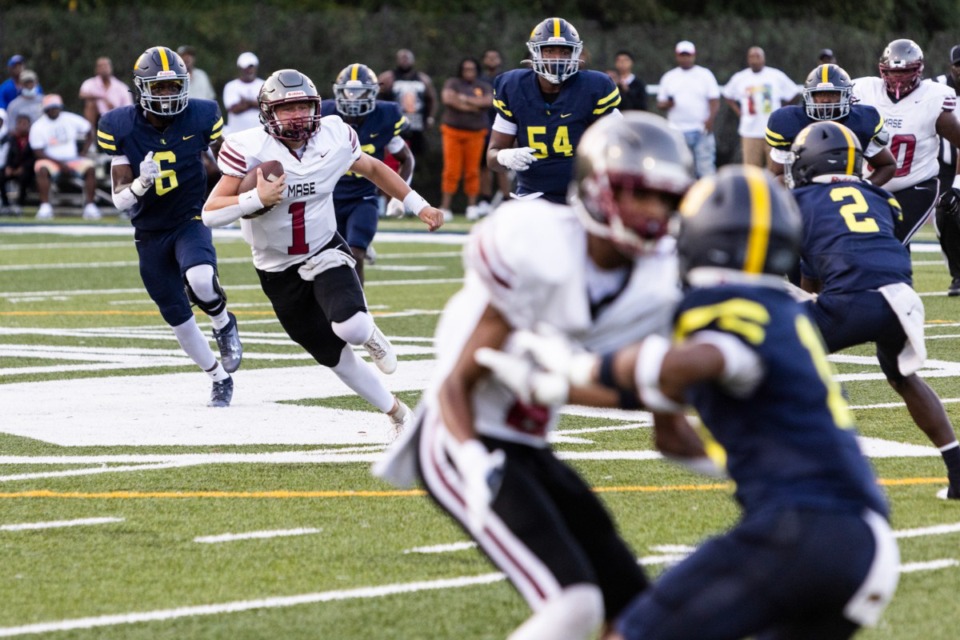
point(948, 227)
point(690, 96)
point(53, 139)
point(200, 85)
point(753, 94)
point(10, 88)
point(826, 57)
point(29, 101)
point(103, 92)
point(241, 95)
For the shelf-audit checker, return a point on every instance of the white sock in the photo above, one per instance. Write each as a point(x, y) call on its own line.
point(360, 376)
point(195, 344)
point(575, 614)
point(356, 329)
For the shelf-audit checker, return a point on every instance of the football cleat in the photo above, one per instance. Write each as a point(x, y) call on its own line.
point(221, 394)
point(954, 289)
point(228, 340)
point(381, 351)
point(401, 418)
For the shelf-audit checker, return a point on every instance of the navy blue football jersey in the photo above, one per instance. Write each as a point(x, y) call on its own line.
point(790, 442)
point(786, 122)
point(180, 191)
point(374, 131)
point(849, 240)
point(552, 129)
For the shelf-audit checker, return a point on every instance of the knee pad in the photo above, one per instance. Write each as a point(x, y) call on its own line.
point(354, 330)
point(203, 289)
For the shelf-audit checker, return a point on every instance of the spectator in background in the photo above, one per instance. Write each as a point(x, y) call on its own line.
point(4, 149)
point(948, 227)
point(53, 139)
point(826, 57)
point(753, 94)
point(241, 95)
point(103, 92)
point(415, 93)
point(690, 96)
point(10, 88)
point(490, 69)
point(29, 102)
point(200, 86)
point(19, 162)
point(463, 127)
point(633, 91)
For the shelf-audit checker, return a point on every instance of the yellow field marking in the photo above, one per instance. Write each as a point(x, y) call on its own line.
point(155, 495)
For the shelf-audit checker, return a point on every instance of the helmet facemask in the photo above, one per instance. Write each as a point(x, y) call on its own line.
point(159, 102)
point(555, 70)
point(293, 129)
point(833, 110)
point(355, 99)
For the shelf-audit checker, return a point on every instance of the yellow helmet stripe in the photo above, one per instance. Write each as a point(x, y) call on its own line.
point(164, 62)
point(354, 71)
point(851, 149)
point(760, 214)
point(824, 72)
point(556, 27)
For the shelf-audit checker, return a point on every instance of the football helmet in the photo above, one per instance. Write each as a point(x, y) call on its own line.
point(828, 78)
point(638, 152)
point(355, 90)
point(901, 55)
point(555, 32)
point(283, 87)
point(153, 73)
point(739, 219)
point(824, 149)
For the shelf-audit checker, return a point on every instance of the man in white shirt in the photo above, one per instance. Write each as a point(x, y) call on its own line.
point(240, 95)
point(53, 139)
point(200, 85)
point(753, 94)
point(690, 97)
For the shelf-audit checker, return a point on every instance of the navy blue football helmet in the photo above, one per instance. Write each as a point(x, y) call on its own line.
point(355, 90)
point(156, 71)
point(555, 32)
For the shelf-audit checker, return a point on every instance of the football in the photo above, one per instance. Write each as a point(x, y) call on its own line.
point(272, 170)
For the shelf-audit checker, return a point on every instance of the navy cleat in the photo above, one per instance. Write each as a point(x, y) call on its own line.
point(228, 340)
point(954, 289)
point(221, 394)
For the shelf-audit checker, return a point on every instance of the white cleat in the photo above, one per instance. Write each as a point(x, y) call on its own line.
point(381, 351)
point(401, 418)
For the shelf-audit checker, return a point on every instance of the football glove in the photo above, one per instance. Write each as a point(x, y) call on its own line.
point(950, 202)
point(482, 473)
point(149, 172)
point(529, 382)
point(518, 159)
point(554, 352)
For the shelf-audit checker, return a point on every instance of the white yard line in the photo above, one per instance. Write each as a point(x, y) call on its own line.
point(57, 524)
point(248, 605)
point(255, 535)
point(443, 548)
point(932, 565)
point(937, 530)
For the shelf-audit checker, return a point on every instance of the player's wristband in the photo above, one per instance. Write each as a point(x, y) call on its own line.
point(956, 182)
point(646, 375)
point(249, 202)
point(414, 202)
point(125, 199)
point(140, 187)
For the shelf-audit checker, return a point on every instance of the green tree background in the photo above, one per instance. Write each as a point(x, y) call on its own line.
point(61, 39)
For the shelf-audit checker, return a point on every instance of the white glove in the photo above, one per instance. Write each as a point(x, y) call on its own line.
point(482, 473)
point(530, 383)
point(395, 209)
point(149, 172)
point(518, 159)
point(556, 354)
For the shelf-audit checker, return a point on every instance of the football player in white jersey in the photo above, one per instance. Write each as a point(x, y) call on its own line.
point(916, 113)
point(305, 267)
point(601, 273)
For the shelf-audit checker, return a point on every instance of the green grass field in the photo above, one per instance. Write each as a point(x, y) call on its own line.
point(128, 509)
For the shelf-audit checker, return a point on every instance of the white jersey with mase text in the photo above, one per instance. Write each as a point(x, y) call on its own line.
point(912, 123)
point(304, 221)
point(529, 261)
